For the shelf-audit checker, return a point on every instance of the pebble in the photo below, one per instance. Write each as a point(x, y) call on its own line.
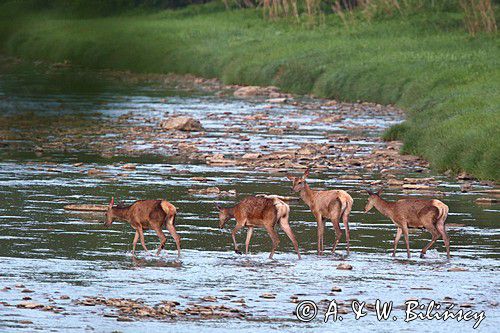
point(466, 305)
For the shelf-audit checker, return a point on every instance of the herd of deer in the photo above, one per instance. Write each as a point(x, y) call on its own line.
point(267, 211)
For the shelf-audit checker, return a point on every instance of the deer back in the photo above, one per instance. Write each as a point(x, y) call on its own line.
point(324, 201)
point(255, 209)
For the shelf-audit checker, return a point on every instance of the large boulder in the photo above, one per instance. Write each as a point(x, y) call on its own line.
point(181, 123)
point(252, 91)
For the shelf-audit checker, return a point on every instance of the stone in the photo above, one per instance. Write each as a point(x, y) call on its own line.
point(29, 305)
point(457, 269)
point(344, 266)
point(129, 166)
point(248, 91)
point(277, 100)
point(486, 201)
point(465, 176)
point(252, 156)
point(181, 123)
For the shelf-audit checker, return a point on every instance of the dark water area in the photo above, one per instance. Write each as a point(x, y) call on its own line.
point(54, 252)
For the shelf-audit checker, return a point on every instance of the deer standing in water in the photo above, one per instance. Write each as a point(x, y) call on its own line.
point(146, 214)
point(413, 213)
point(259, 212)
point(332, 204)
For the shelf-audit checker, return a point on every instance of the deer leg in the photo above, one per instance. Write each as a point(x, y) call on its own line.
point(162, 238)
point(338, 232)
point(141, 234)
point(136, 238)
point(233, 235)
point(345, 219)
point(321, 232)
point(396, 241)
point(249, 237)
point(407, 240)
point(435, 236)
point(442, 230)
point(175, 236)
point(288, 231)
point(275, 239)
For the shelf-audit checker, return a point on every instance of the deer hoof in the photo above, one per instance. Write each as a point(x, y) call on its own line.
point(237, 251)
point(422, 255)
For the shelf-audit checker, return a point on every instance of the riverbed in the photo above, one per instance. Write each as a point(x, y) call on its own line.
point(57, 258)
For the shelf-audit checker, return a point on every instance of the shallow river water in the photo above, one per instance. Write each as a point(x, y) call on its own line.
point(47, 252)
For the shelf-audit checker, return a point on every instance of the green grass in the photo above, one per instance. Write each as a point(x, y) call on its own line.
point(447, 81)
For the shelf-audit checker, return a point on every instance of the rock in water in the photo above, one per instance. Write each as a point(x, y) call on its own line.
point(181, 123)
point(248, 91)
point(344, 267)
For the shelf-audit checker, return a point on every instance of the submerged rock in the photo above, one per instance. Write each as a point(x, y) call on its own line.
point(181, 123)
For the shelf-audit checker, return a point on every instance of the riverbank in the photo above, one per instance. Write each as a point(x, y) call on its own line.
point(447, 82)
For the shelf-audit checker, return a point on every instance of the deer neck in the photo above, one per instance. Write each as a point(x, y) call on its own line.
point(230, 211)
point(307, 195)
point(386, 208)
point(121, 213)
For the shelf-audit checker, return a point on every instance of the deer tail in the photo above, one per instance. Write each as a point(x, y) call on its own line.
point(346, 206)
point(169, 210)
point(282, 209)
point(442, 211)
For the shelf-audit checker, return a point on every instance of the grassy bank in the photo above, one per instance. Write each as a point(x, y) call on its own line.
point(425, 63)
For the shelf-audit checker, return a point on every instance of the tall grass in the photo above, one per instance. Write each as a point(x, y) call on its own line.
point(479, 16)
point(426, 64)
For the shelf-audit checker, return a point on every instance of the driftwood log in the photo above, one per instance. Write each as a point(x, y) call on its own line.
point(87, 208)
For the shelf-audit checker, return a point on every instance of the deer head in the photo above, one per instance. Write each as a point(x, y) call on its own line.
point(109, 213)
point(299, 183)
point(371, 199)
point(224, 216)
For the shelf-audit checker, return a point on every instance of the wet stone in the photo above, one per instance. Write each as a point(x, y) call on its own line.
point(344, 266)
point(181, 123)
point(457, 269)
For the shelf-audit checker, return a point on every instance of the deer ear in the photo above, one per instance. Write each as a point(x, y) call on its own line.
point(218, 207)
point(306, 173)
point(112, 202)
point(379, 192)
point(292, 178)
point(368, 191)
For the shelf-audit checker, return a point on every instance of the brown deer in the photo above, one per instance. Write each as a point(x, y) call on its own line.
point(259, 212)
point(333, 204)
point(413, 213)
point(146, 214)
